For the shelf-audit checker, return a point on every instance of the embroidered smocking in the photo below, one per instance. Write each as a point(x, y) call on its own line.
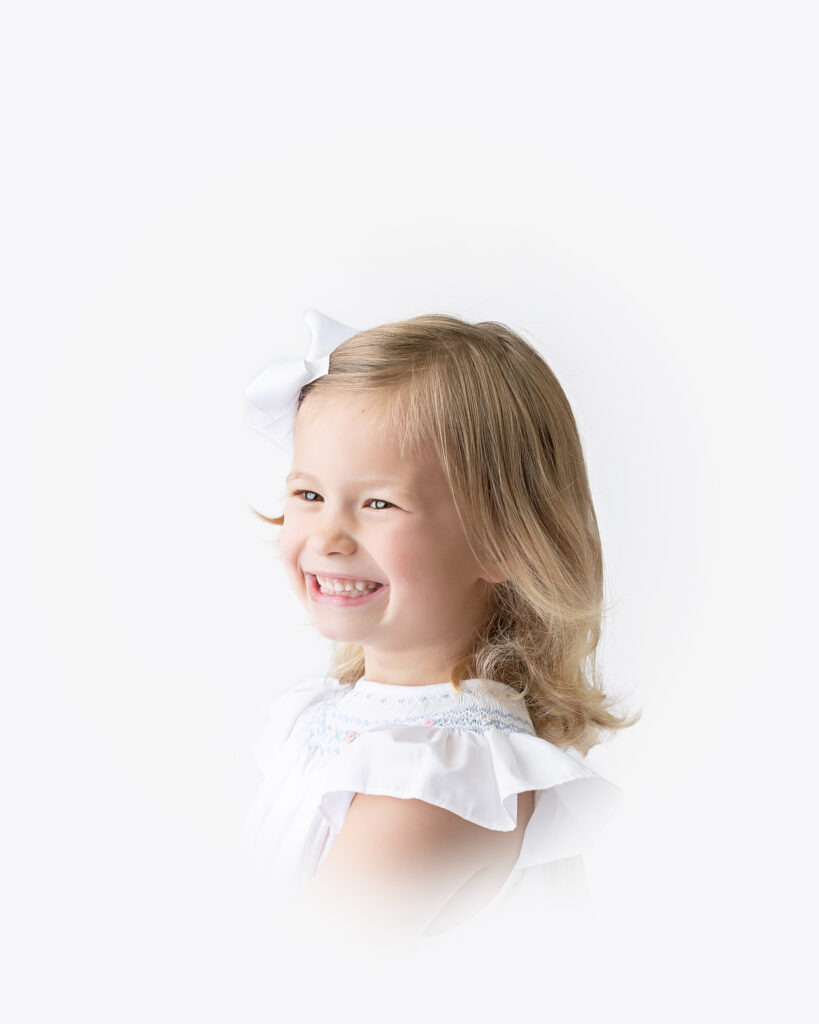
point(346, 714)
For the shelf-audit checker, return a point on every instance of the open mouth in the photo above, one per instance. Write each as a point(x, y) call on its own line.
point(343, 592)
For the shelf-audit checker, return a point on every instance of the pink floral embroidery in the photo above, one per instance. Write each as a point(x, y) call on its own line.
point(350, 736)
point(429, 721)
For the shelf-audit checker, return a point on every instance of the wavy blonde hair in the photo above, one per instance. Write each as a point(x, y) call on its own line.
point(491, 409)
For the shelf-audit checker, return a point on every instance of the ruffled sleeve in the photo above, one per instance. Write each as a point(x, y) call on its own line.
point(476, 775)
point(283, 714)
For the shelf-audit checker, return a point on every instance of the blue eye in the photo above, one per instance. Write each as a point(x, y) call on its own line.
point(301, 494)
point(380, 501)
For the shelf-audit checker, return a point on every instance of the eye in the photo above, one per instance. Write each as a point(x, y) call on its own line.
point(311, 497)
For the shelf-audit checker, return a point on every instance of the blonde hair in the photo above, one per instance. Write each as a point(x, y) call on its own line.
point(491, 409)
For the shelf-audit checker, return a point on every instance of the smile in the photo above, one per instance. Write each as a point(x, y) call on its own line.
point(342, 592)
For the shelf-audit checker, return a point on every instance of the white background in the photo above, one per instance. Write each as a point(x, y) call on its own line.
point(632, 187)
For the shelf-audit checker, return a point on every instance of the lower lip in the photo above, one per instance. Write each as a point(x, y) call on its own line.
point(335, 599)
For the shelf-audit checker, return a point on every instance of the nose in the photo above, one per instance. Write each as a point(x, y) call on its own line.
point(331, 534)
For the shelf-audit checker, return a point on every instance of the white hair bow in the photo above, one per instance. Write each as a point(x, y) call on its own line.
point(274, 393)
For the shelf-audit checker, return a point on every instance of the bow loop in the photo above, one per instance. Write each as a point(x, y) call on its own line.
point(273, 394)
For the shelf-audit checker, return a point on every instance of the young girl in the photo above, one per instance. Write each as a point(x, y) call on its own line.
point(439, 528)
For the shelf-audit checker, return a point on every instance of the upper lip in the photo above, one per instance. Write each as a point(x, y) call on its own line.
point(340, 576)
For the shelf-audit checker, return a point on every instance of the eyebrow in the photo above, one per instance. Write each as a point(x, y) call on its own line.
point(385, 481)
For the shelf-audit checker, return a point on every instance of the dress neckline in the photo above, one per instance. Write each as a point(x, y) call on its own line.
point(430, 689)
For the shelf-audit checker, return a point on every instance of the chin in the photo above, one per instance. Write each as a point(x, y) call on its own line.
point(338, 633)
point(327, 631)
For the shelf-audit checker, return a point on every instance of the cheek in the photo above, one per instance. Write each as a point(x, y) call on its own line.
point(290, 544)
point(441, 558)
point(417, 556)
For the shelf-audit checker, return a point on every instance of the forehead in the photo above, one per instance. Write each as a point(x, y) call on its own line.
point(361, 419)
point(357, 433)
point(340, 410)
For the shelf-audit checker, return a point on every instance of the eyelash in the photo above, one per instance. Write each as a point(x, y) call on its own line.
point(300, 494)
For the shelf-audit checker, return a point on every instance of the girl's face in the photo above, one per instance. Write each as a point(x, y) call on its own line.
point(356, 512)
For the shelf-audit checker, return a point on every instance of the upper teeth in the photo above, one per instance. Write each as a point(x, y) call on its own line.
point(329, 585)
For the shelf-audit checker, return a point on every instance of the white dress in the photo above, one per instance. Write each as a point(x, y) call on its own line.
point(470, 752)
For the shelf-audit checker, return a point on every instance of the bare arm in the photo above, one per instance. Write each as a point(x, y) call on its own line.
point(397, 863)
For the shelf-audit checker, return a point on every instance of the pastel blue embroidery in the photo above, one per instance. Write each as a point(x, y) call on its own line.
point(338, 720)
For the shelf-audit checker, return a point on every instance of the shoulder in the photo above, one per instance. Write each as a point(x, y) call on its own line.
point(286, 710)
point(304, 692)
point(397, 863)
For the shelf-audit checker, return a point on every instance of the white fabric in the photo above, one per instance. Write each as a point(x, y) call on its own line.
point(471, 753)
point(273, 394)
